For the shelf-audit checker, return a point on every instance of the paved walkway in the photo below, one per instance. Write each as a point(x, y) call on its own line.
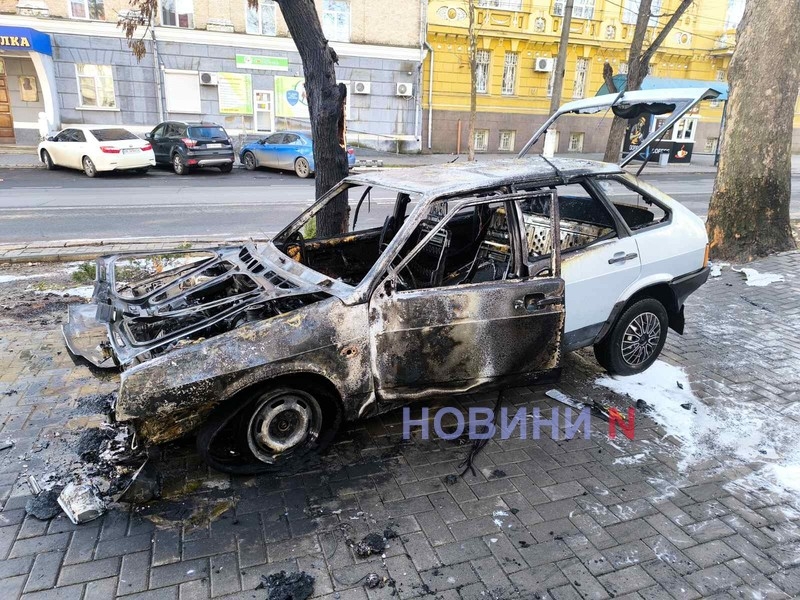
point(680, 512)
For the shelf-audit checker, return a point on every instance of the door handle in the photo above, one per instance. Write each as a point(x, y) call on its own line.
point(622, 258)
point(534, 302)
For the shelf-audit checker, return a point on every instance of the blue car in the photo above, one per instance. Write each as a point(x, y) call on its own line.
point(287, 150)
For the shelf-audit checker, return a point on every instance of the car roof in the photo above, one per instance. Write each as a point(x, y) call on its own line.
point(91, 127)
point(465, 177)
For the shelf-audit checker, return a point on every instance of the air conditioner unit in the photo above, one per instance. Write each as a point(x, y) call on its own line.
point(544, 65)
point(404, 89)
point(208, 79)
point(361, 87)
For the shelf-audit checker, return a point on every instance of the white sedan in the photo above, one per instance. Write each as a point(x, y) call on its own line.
point(94, 149)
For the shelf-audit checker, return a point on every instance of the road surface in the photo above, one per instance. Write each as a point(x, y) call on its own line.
point(38, 205)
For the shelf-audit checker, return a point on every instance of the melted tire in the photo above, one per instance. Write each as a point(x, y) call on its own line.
point(222, 440)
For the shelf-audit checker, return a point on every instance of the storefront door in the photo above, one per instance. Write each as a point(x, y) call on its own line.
point(6, 122)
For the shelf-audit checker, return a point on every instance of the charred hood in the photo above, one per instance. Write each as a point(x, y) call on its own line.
point(145, 305)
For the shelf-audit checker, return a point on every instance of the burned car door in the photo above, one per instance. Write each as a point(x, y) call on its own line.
point(459, 310)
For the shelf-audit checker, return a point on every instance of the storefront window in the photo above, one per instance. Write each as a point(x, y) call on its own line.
point(261, 20)
point(336, 20)
point(177, 13)
point(87, 9)
point(96, 86)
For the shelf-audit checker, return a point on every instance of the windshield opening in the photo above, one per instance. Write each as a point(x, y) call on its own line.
point(374, 217)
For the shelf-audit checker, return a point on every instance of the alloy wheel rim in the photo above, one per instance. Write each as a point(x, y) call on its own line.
point(283, 423)
point(178, 164)
point(249, 161)
point(302, 167)
point(88, 166)
point(640, 339)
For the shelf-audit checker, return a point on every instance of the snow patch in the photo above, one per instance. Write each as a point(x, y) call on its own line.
point(716, 268)
point(83, 291)
point(756, 279)
point(724, 427)
point(10, 278)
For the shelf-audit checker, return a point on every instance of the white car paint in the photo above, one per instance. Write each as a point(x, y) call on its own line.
point(69, 147)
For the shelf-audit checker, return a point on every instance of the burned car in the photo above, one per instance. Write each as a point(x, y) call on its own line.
point(450, 279)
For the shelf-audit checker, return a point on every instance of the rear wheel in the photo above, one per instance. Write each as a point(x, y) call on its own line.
point(48, 160)
point(636, 339)
point(88, 167)
point(179, 165)
point(277, 428)
point(227, 168)
point(249, 160)
point(302, 168)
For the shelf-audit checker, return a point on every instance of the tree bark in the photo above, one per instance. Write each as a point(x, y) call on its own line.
point(638, 67)
point(749, 211)
point(473, 80)
point(326, 107)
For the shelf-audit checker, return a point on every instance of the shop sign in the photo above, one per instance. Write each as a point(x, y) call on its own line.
point(262, 63)
point(235, 93)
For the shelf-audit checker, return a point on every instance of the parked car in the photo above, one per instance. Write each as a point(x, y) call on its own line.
point(265, 349)
point(94, 149)
point(187, 145)
point(287, 150)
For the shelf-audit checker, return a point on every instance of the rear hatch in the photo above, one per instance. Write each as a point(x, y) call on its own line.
point(631, 105)
point(210, 141)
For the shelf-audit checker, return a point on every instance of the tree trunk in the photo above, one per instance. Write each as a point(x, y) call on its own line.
point(636, 74)
point(326, 107)
point(473, 81)
point(749, 211)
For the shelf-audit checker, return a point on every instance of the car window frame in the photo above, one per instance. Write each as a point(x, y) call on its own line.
point(64, 135)
point(629, 182)
point(288, 141)
point(278, 136)
point(159, 131)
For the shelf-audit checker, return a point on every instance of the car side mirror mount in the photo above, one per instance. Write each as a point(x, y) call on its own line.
point(148, 136)
point(50, 138)
point(262, 141)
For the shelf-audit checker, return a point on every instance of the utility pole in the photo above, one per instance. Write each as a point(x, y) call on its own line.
point(473, 75)
point(558, 77)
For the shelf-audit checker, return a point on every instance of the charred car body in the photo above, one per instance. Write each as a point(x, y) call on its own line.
point(265, 349)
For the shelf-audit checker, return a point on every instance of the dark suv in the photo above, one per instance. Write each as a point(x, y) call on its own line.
point(188, 145)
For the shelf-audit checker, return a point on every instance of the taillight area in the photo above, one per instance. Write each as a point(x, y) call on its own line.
point(189, 142)
point(147, 147)
point(109, 150)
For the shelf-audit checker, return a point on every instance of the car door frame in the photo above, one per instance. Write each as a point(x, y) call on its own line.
point(158, 143)
point(57, 147)
point(467, 312)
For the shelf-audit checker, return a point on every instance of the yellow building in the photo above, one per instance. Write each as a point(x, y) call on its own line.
point(517, 44)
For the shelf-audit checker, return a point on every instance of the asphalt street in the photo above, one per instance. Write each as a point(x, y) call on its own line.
point(38, 205)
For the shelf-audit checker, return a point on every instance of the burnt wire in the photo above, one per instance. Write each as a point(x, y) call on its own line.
point(480, 444)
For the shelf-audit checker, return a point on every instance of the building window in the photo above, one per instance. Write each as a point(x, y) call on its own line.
point(582, 9)
point(96, 86)
point(581, 67)
point(87, 9)
point(177, 13)
point(481, 140)
point(711, 145)
point(714, 103)
point(611, 32)
point(504, 4)
point(336, 20)
point(684, 130)
point(721, 75)
point(630, 12)
point(623, 68)
point(261, 20)
point(182, 91)
point(483, 58)
point(507, 141)
point(576, 142)
point(510, 74)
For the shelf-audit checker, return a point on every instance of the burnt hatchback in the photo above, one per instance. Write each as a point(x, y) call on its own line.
point(448, 280)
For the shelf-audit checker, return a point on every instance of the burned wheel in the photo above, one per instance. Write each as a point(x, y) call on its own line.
point(278, 428)
point(636, 339)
